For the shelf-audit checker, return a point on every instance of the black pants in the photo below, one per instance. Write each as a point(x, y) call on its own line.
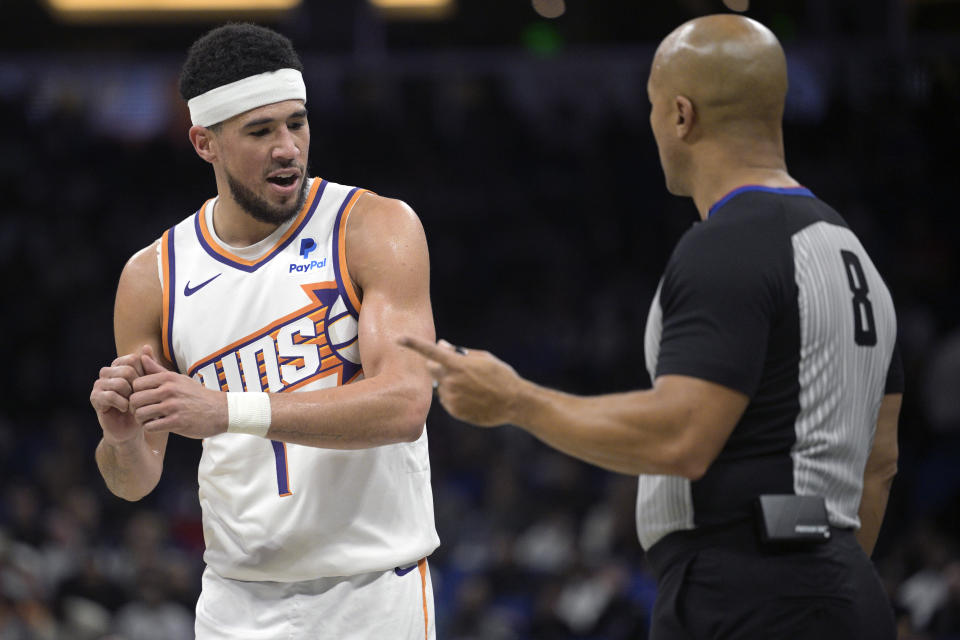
point(825, 592)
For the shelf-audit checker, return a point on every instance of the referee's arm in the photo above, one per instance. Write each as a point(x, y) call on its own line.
point(676, 428)
point(879, 471)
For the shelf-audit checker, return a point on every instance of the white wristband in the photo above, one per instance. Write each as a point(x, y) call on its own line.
point(248, 412)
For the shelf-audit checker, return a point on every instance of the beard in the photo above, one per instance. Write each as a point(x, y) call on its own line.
point(259, 208)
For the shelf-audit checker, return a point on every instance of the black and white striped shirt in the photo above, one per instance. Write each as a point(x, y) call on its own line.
point(775, 297)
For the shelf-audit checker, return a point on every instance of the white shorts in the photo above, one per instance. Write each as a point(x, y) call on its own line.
point(394, 604)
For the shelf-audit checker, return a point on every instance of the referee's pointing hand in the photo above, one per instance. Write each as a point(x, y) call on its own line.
point(473, 386)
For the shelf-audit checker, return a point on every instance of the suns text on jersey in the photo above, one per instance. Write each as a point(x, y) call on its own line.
point(317, 342)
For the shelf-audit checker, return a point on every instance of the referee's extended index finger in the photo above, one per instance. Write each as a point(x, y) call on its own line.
point(429, 350)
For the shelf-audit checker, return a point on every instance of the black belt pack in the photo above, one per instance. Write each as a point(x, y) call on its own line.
point(792, 520)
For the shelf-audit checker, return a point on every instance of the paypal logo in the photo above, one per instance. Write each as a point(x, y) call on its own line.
point(306, 246)
point(303, 268)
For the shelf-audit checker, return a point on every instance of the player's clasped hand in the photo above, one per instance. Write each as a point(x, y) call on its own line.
point(163, 400)
point(136, 394)
point(473, 386)
point(111, 398)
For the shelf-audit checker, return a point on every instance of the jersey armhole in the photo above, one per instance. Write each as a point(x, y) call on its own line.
point(344, 281)
point(166, 266)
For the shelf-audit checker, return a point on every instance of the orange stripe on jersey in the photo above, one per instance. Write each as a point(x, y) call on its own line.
point(329, 362)
point(167, 288)
point(422, 566)
point(294, 228)
point(342, 241)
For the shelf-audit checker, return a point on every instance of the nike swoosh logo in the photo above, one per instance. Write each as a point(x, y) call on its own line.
point(189, 291)
point(405, 571)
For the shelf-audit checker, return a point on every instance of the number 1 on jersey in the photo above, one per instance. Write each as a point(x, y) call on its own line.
point(864, 328)
point(283, 477)
point(280, 448)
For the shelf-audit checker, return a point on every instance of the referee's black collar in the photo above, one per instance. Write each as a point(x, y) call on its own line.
point(787, 191)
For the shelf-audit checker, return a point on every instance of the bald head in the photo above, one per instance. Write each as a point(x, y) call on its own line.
point(731, 68)
point(717, 89)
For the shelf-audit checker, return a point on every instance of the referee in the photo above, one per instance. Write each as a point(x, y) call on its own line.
point(768, 443)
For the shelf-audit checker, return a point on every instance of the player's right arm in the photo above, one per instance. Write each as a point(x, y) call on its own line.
point(129, 459)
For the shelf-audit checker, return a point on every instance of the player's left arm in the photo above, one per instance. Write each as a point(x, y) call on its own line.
point(387, 259)
point(676, 428)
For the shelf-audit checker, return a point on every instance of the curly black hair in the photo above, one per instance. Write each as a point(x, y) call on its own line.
point(232, 52)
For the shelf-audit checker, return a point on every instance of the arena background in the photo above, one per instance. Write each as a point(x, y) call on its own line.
point(522, 141)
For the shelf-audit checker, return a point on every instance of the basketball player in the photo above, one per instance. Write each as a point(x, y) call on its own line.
point(266, 324)
point(776, 390)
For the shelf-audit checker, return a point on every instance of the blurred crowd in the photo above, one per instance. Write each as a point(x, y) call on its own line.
point(548, 225)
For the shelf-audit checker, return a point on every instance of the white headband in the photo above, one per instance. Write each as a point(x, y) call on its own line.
point(248, 93)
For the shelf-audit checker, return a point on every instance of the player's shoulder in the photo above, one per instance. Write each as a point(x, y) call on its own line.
point(380, 216)
point(384, 238)
point(141, 267)
point(140, 291)
point(374, 204)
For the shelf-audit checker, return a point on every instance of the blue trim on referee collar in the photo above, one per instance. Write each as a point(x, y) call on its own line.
point(787, 191)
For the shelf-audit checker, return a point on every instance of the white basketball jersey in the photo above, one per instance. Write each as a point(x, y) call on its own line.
point(281, 316)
